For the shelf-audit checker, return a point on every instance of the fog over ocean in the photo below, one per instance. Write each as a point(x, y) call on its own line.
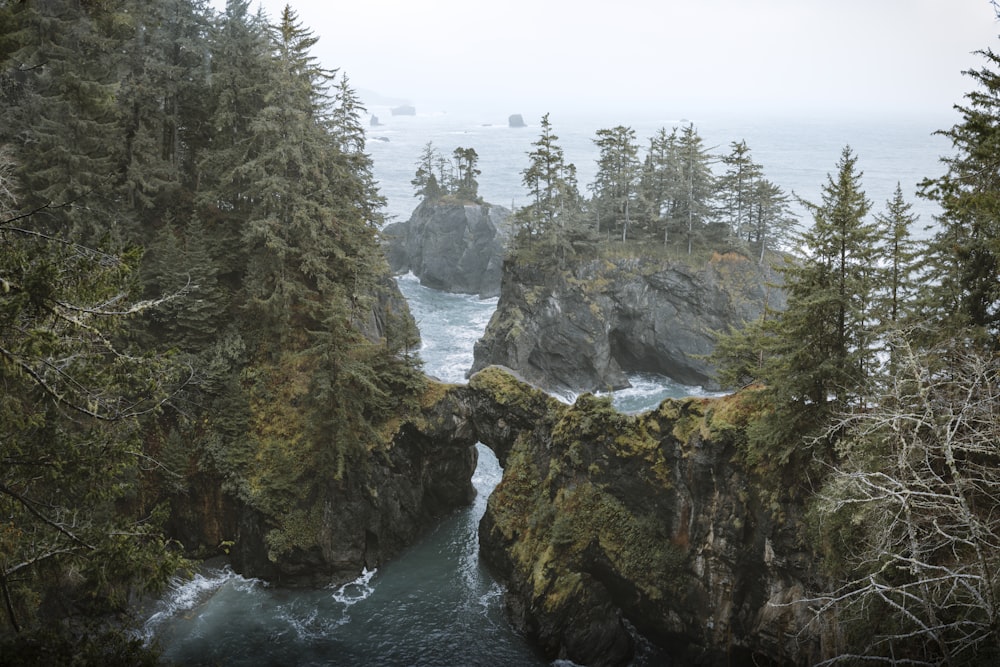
point(796, 153)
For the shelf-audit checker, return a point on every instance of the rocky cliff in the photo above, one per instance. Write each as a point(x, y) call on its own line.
point(453, 247)
point(584, 329)
point(604, 520)
point(379, 507)
point(603, 524)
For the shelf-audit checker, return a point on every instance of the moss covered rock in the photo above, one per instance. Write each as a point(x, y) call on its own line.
point(605, 520)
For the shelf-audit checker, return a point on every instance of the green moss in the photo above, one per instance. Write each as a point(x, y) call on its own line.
point(505, 389)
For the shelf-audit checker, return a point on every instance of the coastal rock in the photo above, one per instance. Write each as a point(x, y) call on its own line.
point(362, 520)
point(453, 247)
point(584, 329)
point(604, 521)
point(516, 120)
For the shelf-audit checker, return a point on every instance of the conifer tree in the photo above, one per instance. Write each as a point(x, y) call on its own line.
point(467, 187)
point(964, 256)
point(659, 182)
point(772, 219)
point(814, 355)
point(165, 78)
point(615, 185)
point(897, 286)
point(553, 210)
point(425, 183)
point(737, 188)
point(61, 104)
point(697, 184)
point(70, 439)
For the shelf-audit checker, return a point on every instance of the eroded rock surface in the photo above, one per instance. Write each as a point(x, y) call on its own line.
point(452, 247)
point(603, 517)
point(584, 329)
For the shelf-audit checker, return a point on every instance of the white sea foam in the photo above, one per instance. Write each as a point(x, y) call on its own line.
point(184, 595)
point(355, 591)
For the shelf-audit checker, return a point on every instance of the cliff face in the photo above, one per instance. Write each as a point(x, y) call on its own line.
point(378, 508)
point(603, 517)
point(450, 246)
point(602, 520)
point(583, 330)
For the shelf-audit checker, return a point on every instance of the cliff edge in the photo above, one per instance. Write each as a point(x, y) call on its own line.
point(583, 329)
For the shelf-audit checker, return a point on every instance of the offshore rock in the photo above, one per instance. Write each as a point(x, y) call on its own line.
point(604, 518)
point(450, 246)
point(585, 329)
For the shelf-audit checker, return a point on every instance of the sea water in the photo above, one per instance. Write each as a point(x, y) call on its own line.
point(436, 604)
point(795, 153)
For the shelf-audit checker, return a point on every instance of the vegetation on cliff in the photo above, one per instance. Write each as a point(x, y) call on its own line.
point(876, 377)
point(192, 290)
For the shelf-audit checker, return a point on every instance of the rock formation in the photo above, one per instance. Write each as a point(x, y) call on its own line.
point(582, 330)
point(603, 522)
point(453, 247)
point(365, 519)
point(603, 518)
point(516, 120)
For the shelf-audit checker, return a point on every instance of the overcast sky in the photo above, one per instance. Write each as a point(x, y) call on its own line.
point(660, 56)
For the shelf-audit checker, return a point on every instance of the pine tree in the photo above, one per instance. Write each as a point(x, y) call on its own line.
point(425, 183)
point(164, 85)
point(964, 258)
point(553, 211)
point(772, 220)
point(694, 209)
point(897, 286)
point(660, 181)
point(737, 188)
point(70, 440)
point(615, 185)
point(467, 187)
point(814, 356)
point(60, 111)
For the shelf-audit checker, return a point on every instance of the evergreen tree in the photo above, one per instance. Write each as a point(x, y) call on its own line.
point(772, 220)
point(814, 355)
point(659, 182)
point(467, 187)
point(242, 72)
point(737, 189)
point(425, 183)
point(70, 444)
point(161, 99)
point(615, 185)
point(964, 256)
point(897, 286)
point(553, 210)
point(58, 108)
point(693, 207)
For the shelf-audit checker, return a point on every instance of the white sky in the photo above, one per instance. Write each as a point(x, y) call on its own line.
point(661, 56)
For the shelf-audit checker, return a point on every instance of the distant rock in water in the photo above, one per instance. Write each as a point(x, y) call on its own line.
point(583, 330)
point(453, 247)
point(374, 121)
point(516, 120)
point(404, 110)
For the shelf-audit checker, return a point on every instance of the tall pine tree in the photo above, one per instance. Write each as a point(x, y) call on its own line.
point(964, 258)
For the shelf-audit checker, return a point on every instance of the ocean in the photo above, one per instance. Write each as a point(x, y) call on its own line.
point(796, 154)
point(437, 604)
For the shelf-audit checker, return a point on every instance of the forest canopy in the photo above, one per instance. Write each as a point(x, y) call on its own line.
point(188, 221)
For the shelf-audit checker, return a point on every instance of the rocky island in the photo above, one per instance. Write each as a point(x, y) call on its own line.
point(451, 246)
point(584, 328)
